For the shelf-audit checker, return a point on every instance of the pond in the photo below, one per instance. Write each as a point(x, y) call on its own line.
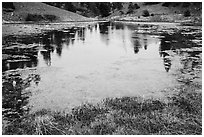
point(107, 59)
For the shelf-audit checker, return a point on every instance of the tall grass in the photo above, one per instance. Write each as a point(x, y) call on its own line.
point(181, 115)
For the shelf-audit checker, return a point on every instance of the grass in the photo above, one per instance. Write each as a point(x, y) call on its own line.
point(181, 115)
point(36, 17)
point(25, 9)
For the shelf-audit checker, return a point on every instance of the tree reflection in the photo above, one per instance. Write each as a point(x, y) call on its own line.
point(119, 26)
point(103, 27)
point(46, 57)
point(167, 63)
point(47, 42)
point(104, 31)
point(81, 34)
point(145, 41)
point(165, 46)
point(136, 45)
point(57, 41)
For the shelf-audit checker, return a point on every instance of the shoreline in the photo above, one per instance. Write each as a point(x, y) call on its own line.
point(16, 28)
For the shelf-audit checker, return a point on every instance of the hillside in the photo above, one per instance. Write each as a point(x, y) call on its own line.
point(163, 8)
point(155, 11)
point(81, 11)
point(35, 11)
point(160, 12)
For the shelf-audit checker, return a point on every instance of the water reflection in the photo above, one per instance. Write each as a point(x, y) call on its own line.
point(137, 45)
point(145, 42)
point(81, 33)
point(118, 36)
point(173, 42)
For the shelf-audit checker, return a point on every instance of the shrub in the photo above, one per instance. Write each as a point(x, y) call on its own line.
point(105, 9)
point(131, 8)
point(151, 3)
point(136, 6)
point(186, 4)
point(117, 5)
point(8, 5)
point(36, 17)
point(70, 7)
point(145, 13)
point(166, 4)
point(187, 13)
point(50, 17)
point(121, 12)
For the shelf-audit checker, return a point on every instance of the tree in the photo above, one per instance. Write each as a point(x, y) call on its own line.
point(131, 7)
point(70, 7)
point(8, 5)
point(151, 3)
point(136, 6)
point(117, 5)
point(145, 13)
point(187, 13)
point(166, 4)
point(93, 7)
point(186, 4)
point(105, 8)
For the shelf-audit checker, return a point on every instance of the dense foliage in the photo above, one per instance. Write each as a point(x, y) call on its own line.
point(132, 7)
point(187, 13)
point(8, 5)
point(145, 13)
point(88, 8)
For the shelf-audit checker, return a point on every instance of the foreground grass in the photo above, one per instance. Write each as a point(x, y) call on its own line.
point(182, 114)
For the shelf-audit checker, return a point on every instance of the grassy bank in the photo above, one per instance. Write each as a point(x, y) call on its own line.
point(182, 114)
point(36, 11)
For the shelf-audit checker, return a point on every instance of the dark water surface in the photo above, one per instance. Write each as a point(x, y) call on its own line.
point(103, 60)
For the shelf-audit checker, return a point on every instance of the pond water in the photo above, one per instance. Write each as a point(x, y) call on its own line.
point(88, 64)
